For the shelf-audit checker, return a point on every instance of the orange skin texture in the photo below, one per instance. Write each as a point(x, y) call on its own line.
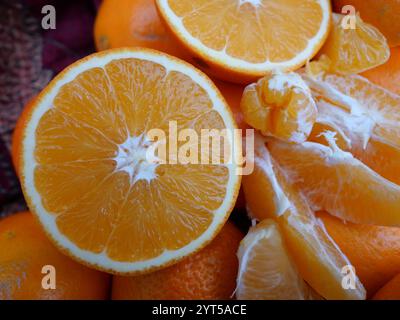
point(18, 134)
point(26, 249)
point(133, 23)
point(387, 75)
point(208, 274)
point(374, 251)
point(390, 291)
point(382, 14)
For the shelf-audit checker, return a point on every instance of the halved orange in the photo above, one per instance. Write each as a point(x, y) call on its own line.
point(86, 173)
point(280, 105)
point(266, 270)
point(240, 41)
point(270, 195)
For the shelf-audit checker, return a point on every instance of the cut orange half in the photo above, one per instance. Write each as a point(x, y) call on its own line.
point(243, 40)
point(86, 173)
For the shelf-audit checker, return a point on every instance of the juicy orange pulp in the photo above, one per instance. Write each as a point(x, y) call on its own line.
point(280, 105)
point(270, 194)
point(84, 171)
point(266, 270)
point(365, 118)
point(241, 40)
point(354, 48)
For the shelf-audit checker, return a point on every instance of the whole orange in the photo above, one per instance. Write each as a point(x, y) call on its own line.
point(387, 75)
point(374, 251)
point(17, 134)
point(383, 14)
point(25, 250)
point(133, 23)
point(209, 274)
point(390, 291)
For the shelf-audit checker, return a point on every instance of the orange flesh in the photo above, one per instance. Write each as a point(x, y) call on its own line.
point(99, 208)
point(316, 256)
point(372, 136)
point(244, 30)
point(335, 181)
point(280, 106)
point(354, 50)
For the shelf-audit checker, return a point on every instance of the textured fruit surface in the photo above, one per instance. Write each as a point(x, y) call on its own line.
point(269, 194)
point(364, 116)
point(354, 50)
point(266, 271)
point(387, 75)
point(25, 250)
point(382, 14)
point(90, 178)
point(335, 181)
point(390, 291)
point(374, 251)
point(248, 38)
point(281, 106)
point(133, 23)
point(18, 134)
point(208, 274)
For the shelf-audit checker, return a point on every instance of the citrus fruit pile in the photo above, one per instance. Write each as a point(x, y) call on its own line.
point(323, 198)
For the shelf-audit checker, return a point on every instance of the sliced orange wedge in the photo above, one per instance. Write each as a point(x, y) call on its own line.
point(86, 173)
point(266, 271)
point(242, 40)
point(364, 116)
point(335, 181)
point(269, 194)
point(354, 48)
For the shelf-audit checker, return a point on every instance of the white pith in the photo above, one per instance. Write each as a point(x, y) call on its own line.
point(48, 220)
point(222, 58)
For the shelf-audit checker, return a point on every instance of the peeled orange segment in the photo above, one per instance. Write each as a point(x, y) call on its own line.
point(316, 256)
point(354, 48)
point(364, 116)
point(266, 271)
point(335, 181)
point(88, 174)
point(243, 40)
point(281, 106)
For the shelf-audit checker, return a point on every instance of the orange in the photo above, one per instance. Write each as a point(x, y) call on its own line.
point(208, 274)
point(25, 250)
point(266, 271)
point(133, 23)
point(390, 291)
point(241, 41)
point(333, 180)
point(374, 251)
point(387, 75)
point(269, 194)
point(364, 116)
point(382, 14)
point(93, 169)
point(281, 106)
point(354, 50)
point(17, 134)
point(233, 93)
